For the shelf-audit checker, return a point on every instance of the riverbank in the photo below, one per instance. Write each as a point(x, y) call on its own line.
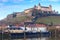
point(26, 34)
point(38, 38)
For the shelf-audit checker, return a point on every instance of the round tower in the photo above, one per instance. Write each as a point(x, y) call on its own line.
point(35, 6)
point(39, 6)
point(50, 7)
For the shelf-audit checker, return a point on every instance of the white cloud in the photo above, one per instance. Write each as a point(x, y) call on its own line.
point(18, 0)
point(54, 0)
point(50, 0)
point(10, 7)
point(5, 10)
point(32, 0)
point(4, 0)
point(1, 4)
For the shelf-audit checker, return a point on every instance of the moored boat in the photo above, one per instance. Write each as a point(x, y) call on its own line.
point(28, 32)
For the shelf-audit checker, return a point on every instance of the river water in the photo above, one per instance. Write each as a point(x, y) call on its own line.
point(41, 38)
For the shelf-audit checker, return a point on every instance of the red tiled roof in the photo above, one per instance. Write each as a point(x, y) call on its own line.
point(36, 25)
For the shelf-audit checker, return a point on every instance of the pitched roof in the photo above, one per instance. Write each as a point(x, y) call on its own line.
point(44, 7)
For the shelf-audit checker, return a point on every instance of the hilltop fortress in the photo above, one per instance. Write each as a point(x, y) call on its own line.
point(34, 10)
point(30, 15)
point(40, 9)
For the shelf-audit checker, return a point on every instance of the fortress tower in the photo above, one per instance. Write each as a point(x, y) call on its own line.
point(40, 8)
point(44, 8)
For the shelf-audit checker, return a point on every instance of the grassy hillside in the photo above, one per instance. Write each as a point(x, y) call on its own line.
point(49, 19)
point(15, 20)
point(39, 17)
point(46, 20)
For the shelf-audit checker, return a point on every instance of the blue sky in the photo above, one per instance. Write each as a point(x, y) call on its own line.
point(10, 6)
